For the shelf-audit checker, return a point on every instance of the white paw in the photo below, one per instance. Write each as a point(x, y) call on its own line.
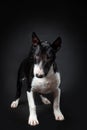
point(33, 121)
point(59, 116)
point(14, 104)
point(45, 100)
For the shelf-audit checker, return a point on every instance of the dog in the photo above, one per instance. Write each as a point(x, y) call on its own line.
point(40, 72)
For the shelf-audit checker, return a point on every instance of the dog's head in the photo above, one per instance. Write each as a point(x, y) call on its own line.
point(44, 55)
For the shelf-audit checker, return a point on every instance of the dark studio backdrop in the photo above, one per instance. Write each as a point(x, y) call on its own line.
point(17, 22)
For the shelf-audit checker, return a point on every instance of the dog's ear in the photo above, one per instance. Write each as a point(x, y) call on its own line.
point(35, 39)
point(56, 45)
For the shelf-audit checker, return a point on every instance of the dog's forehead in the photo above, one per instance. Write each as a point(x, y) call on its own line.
point(45, 44)
point(44, 48)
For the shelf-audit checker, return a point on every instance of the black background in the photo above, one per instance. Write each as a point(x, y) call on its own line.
point(48, 20)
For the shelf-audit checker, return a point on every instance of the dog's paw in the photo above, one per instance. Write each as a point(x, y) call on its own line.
point(14, 104)
point(33, 121)
point(45, 100)
point(59, 116)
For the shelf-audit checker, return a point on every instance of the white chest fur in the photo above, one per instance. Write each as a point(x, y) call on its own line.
point(46, 84)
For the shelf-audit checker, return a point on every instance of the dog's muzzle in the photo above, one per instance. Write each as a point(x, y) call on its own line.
point(39, 76)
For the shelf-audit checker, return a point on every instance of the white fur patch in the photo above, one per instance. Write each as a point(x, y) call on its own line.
point(46, 84)
point(38, 69)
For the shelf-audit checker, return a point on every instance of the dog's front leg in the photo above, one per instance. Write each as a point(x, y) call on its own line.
point(56, 105)
point(32, 108)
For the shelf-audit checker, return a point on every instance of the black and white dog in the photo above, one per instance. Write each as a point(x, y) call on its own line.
point(40, 72)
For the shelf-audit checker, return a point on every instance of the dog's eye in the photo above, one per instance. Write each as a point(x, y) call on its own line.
point(48, 57)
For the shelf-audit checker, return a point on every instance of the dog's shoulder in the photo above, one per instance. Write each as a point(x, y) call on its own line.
point(26, 65)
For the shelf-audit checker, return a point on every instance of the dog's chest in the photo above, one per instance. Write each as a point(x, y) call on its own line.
point(44, 85)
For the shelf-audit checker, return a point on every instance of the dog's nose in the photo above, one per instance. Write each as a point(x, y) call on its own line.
point(39, 76)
